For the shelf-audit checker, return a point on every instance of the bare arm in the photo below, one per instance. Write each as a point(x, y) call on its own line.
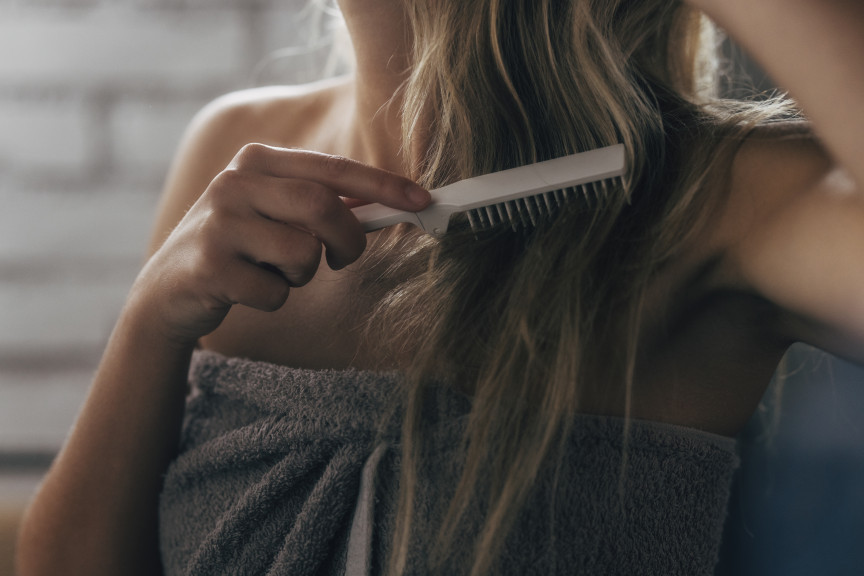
point(96, 510)
point(258, 230)
point(814, 49)
point(800, 242)
point(804, 246)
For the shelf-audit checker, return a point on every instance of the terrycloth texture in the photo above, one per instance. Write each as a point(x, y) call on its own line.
point(269, 472)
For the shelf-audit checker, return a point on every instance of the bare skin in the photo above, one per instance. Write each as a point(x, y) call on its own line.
point(782, 263)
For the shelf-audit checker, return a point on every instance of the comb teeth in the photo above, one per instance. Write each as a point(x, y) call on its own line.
point(531, 211)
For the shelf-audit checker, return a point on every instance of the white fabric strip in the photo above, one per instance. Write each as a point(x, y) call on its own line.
point(359, 560)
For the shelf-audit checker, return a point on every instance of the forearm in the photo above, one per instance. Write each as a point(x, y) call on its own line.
point(814, 49)
point(96, 512)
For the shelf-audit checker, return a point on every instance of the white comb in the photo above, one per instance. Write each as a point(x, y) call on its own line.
point(518, 196)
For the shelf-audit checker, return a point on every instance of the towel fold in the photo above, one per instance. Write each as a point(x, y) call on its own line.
point(268, 478)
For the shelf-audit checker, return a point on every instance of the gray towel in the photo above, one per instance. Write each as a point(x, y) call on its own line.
point(269, 474)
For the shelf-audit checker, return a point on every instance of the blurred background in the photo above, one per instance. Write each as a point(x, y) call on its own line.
point(94, 96)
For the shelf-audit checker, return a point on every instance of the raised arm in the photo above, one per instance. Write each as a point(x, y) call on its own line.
point(814, 49)
point(801, 238)
point(257, 230)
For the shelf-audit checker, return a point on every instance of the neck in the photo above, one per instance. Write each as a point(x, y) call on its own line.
point(382, 44)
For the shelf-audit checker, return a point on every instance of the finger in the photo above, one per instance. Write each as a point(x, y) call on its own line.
point(252, 285)
point(280, 249)
point(322, 213)
point(308, 206)
point(347, 177)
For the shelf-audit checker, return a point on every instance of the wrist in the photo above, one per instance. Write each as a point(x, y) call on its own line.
point(147, 321)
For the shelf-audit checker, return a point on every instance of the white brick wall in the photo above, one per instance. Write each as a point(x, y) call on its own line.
point(120, 45)
point(99, 90)
point(144, 132)
point(39, 427)
point(39, 227)
point(41, 134)
point(66, 262)
point(94, 95)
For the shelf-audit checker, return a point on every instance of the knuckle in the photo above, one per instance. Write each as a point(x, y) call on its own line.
point(252, 154)
point(226, 184)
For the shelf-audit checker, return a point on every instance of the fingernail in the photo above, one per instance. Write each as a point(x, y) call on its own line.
point(418, 195)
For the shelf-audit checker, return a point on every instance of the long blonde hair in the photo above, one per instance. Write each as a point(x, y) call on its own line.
point(519, 321)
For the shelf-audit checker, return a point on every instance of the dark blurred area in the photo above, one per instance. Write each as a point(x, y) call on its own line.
point(797, 507)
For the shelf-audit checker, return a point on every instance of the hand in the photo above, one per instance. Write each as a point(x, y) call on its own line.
point(257, 231)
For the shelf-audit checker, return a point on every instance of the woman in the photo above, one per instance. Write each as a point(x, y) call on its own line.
point(735, 234)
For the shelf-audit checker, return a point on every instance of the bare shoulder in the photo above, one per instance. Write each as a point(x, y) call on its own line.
point(794, 231)
point(285, 116)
